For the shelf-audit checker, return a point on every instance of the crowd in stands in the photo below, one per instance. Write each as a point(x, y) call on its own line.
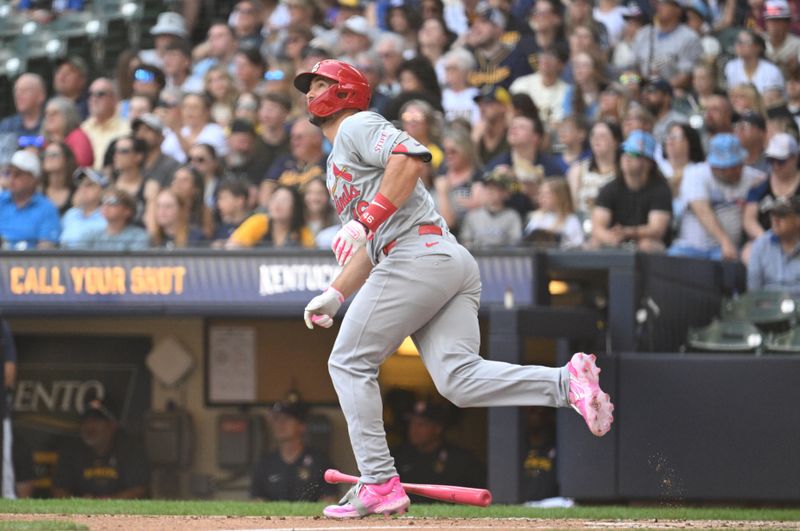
point(661, 125)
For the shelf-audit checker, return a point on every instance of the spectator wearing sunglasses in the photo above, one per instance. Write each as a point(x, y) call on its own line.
point(157, 166)
point(636, 207)
point(104, 123)
point(148, 80)
point(246, 21)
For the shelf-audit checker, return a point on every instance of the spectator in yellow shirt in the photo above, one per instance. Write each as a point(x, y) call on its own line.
point(283, 227)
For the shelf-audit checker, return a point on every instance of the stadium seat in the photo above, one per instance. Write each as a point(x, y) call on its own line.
point(785, 343)
point(770, 311)
point(725, 336)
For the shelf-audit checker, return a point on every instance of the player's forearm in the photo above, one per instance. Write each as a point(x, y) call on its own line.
point(354, 274)
point(400, 177)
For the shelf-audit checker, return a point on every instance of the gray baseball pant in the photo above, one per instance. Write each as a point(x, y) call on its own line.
point(432, 294)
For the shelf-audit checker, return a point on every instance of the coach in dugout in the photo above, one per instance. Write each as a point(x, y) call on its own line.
point(428, 458)
point(293, 471)
point(102, 464)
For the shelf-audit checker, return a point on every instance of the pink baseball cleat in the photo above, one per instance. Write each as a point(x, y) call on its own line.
point(585, 395)
point(363, 500)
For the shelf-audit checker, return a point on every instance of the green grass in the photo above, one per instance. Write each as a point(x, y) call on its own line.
point(240, 508)
point(40, 525)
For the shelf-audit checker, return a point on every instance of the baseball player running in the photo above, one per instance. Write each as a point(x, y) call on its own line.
point(413, 279)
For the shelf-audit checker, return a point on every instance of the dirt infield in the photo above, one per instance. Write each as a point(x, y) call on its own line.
point(219, 523)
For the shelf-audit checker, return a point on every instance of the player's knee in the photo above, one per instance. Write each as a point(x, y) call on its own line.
point(451, 392)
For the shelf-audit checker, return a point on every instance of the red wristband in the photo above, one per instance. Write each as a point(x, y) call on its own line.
point(377, 212)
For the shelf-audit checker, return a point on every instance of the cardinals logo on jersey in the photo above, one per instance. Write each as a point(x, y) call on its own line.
point(343, 196)
point(342, 174)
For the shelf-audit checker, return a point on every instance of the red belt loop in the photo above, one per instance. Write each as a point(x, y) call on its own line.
point(423, 230)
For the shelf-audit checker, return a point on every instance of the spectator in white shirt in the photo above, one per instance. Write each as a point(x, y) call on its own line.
point(458, 97)
point(749, 66)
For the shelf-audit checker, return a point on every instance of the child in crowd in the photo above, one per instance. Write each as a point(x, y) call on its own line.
point(555, 219)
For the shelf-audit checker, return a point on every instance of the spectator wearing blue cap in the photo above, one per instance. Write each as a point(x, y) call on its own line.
point(715, 193)
point(636, 207)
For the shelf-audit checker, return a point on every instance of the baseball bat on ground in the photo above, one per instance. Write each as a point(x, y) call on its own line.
point(448, 493)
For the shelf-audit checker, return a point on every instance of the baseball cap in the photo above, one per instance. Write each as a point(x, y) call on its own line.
point(82, 174)
point(357, 25)
point(640, 143)
point(783, 206)
point(499, 176)
point(293, 407)
point(26, 161)
point(120, 197)
point(725, 151)
point(76, 61)
point(699, 7)
point(96, 409)
point(752, 118)
point(632, 10)
point(150, 120)
point(781, 146)
point(777, 9)
point(660, 84)
point(429, 411)
point(169, 23)
point(242, 126)
point(493, 93)
point(493, 15)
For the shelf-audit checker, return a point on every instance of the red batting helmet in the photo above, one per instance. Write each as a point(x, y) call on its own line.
point(351, 90)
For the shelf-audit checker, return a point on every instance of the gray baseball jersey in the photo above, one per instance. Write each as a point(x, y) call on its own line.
point(428, 287)
point(361, 149)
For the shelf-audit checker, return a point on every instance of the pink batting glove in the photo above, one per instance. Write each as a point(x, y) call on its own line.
point(350, 238)
point(321, 309)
